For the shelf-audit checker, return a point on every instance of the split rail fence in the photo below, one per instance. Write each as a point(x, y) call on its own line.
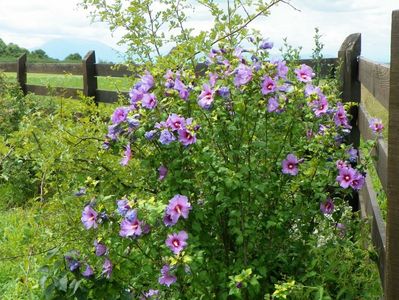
point(381, 80)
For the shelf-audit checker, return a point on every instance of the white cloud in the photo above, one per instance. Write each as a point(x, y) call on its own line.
point(32, 23)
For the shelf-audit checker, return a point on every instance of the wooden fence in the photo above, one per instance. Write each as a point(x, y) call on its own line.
point(89, 69)
point(381, 81)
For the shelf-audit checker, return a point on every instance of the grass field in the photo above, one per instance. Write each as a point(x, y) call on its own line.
point(76, 81)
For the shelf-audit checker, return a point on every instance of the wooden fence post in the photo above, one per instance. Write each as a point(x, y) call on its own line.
point(348, 56)
point(21, 72)
point(391, 287)
point(89, 75)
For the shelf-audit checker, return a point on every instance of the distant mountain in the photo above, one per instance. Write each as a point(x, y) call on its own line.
point(61, 48)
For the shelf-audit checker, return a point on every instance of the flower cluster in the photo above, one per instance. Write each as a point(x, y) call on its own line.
point(349, 177)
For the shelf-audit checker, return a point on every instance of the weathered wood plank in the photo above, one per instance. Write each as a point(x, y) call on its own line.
point(392, 257)
point(54, 68)
point(56, 91)
point(8, 67)
point(369, 206)
point(21, 72)
point(375, 77)
point(381, 150)
point(109, 96)
point(113, 70)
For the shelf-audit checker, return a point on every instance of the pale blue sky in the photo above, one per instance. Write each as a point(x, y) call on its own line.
point(34, 22)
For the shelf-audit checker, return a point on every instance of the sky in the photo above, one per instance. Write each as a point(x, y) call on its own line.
point(32, 23)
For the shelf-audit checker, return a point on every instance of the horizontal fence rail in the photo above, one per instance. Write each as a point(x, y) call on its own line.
point(90, 70)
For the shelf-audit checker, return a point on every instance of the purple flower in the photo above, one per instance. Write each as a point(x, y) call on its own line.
point(81, 192)
point(206, 97)
point(243, 75)
point(340, 117)
point(163, 171)
point(168, 221)
point(224, 92)
point(130, 228)
point(175, 122)
point(149, 294)
point(282, 69)
point(107, 268)
point(89, 217)
point(265, 44)
point(273, 105)
point(169, 76)
point(212, 79)
point(312, 90)
point(100, 249)
point(186, 137)
point(147, 82)
point(178, 207)
point(166, 137)
point(346, 176)
point(290, 165)
point(352, 154)
point(177, 241)
point(88, 272)
point(341, 164)
point(127, 156)
point(320, 106)
point(119, 115)
point(133, 123)
point(166, 278)
point(376, 125)
point(358, 181)
point(113, 131)
point(268, 86)
point(181, 88)
point(327, 207)
point(149, 101)
point(73, 264)
point(135, 95)
point(123, 206)
point(304, 73)
point(131, 215)
point(149, 135)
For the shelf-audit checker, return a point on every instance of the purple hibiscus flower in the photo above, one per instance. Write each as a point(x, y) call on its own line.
point(177, 241)
point(224, 92)
point(243, 75)
point(282, 69)
point(273, 105)
point(268, 86)
point(73, 264)
point(149, 101)
point(186, 137)
point(181, 88)
point(320, 106)
point(127, 156)
point(346, 176)
point(376, 125)
point(88, 272)
point(135, 95)
point(304, 73)
point(352, 154)
point(340, 117)
point(206, 97)
point(358, 181)
point(212, 79)
point(178, 207)
point(166, 278)
point(175, 122)
point(89, 217)
point(166, 137)
point(99, 248)
point(167, 219)
point(290, 165)
point(341, 164)
point(130, 227)
point(149, 135)
point(170, 81)
point(119, 115)
point(266, 44)
point(149, 294)
point(327, 207)
point(147, 82)
point(107, 268)
point(123, 206)
point(162, 171)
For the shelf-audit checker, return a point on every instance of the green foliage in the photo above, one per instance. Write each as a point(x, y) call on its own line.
point(73, 57)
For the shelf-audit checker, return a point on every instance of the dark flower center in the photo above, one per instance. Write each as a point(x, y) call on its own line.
point(270, 86)
point(290, 166)
point(347, 177)
point(178, 209)
point(176, 243)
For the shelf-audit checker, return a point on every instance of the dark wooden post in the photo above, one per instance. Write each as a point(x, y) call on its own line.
point(348, 56)
point(391, 287)
point(89, 75)
point(21, 72)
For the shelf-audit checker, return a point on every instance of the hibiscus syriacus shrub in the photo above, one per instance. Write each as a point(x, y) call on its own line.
point(239, 173)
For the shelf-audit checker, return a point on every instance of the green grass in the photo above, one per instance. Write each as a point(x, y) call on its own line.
point(76, 81)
